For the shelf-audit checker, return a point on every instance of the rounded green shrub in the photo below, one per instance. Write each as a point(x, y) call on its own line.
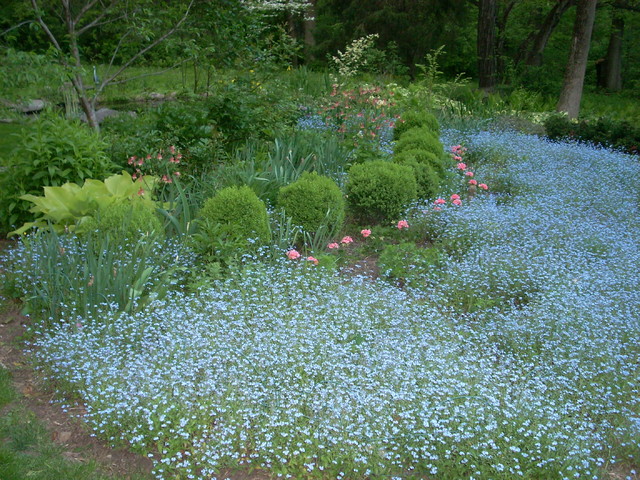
point(436, 162)
point(312, 201)
point(236, 212)
point(380, 191)
point(416, 118)
point(419, 138)
point(427, 179)
point(124, 222)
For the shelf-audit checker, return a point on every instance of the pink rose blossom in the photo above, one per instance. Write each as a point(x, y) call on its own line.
point(457, 158)
point(469, 174)
point(313, 259)
point(293, 254)
point(365, 233)
point(333, 246)
point(473, 182)
point(455, 196)
point(346, 240)
point(483, 186)
point(457, 201)
point(440, 201)
point(462, 166)
point(402, 224)
point(437, 209)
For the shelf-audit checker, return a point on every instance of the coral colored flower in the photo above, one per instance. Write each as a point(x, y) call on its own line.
point(455, 196)
point(440, 201)
point(462, 166)
point(457, 158)
point(469, 174)
point(402, 224)
point(333, 246)
point(483, 186)
point(293, 254)
point(457, 201)
point(346, 240)
point(313, 259)
point(473, 182)
point(365, 233)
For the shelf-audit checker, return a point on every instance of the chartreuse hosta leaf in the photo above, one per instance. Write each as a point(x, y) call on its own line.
point(69, 205)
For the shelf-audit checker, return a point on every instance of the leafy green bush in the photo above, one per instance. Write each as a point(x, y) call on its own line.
point(313, 201)
point(51, 152)
point(124, 223)
point(236, 213)
point(416, 118)
point(380, 191)
point(602, 131)
point(421, 138)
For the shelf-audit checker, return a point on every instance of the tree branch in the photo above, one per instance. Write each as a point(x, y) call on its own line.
point(15, 26)
point(97, 21)
point(141, 52)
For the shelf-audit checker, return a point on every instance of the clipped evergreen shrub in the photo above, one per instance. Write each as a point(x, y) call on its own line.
point(312, 201)
point(379, 191)
point(437, 163)
point(427, 179)
point(420, 138)
point(416, 118)
point(236, 212)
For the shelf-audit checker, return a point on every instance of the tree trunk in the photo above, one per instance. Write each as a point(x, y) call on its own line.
point(532, 48)
point(309, 28)
point(577, 65)
point(486, 44)
point(613, 60)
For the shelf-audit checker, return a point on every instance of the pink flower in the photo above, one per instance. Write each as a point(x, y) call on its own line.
point(455, 196)
point(365, 233)
point(312, 259)
point(132, 160)
point(176, 174)
point(440, 201)
point(462, 166)
point(172, 149)
point(469, 174)
point(141, 192)
point(402, 224)
point(346, 240)
point(483, 186)
point(293, 254)
point(333, 246)
point(437, 209)
point(159, 156)
point(473, 182)
point(457, 201)
point(457, 158)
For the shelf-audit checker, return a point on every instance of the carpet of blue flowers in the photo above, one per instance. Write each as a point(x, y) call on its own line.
point(519, 358)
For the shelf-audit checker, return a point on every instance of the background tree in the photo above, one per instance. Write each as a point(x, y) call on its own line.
point(65, 22)
point(577, 65)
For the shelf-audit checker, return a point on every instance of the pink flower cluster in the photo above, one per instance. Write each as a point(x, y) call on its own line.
point(403, 224)
point(293, 254)
point(162, 164)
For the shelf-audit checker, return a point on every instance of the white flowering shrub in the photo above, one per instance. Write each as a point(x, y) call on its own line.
point(354, 58)
point(292, 369)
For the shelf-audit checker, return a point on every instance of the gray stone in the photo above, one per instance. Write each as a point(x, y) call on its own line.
point(32, 106)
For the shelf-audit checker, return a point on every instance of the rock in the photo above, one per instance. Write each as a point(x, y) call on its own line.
point(32, 106)
point(103, 113)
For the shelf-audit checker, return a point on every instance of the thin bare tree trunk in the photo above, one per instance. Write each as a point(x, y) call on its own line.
point(571, 94)
point(486, 44)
